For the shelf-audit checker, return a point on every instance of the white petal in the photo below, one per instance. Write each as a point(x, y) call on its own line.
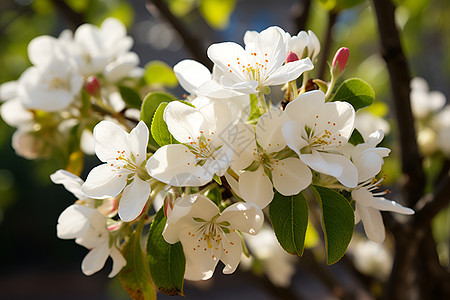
point(41, 48)
point(369, 165)
point(388, 205)
point(271, 42)
point(121, 67)
point(246, 217)
point(268, 130)
point(191, 75)
point(225, 56)
point(214, 89)
point(71, 182)
point(8, 90)
point(234, 184)
point(373, 223)
point(246, 86)
point(103, 182)
point(233, 257)
point(138, 140)
point(15, 114)
point(304, 104)
point(95, 259)
point(177, 166)
point(109, 139)
point(74, 221)
point(292, 134)
point(290, 176)
point(219, 163)
point(289, 72)
point(255, 187)
point(184, 122)
point(244, 146)
point(118, 262)
point(133, 199)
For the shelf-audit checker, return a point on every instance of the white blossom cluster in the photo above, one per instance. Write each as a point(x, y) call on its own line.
point(220, 137)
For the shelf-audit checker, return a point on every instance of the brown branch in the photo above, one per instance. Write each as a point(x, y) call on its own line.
point(74, 18)
point(191, 42)
point(431, 204)
point(391, 49)
point(332, 16)
point(300, 14)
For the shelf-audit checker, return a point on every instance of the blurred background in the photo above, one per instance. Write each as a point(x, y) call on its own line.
point(35, 264)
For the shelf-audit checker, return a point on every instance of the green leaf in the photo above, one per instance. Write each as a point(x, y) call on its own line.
point(338, 222)
point(160, 73)
point(356, 92)
point(217, 12)
point(130, 96)
point(356, 138)
point(289, 217)
point(159, 129)
point(148, 108)
point(135, 276)
point(167, 262)
point(215, 196)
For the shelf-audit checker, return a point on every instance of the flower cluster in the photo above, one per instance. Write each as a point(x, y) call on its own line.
point(217, 158)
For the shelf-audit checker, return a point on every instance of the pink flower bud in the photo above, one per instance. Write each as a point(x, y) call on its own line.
point(291, 56)
point(340, 61)
point(92, 85)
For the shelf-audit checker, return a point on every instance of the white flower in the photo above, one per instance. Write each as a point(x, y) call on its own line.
point(105, 50)
point(50, 87)
point(304, 44)
point(88, 227)
point(206, 148)
point(289, 175)
point(73, 183)
point(367, 209)
point(124, 156)
point(423, 101)
point(259, 65)
point(208, 236)
point(368, 159)
point(316, 131)
point(278, 265)
point(196, 79)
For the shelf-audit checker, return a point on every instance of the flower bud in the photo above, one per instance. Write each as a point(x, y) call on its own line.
point(92, 85)
point(291, 56)
point(340, 61)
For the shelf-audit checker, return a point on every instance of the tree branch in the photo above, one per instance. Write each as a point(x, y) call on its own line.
point(431, 204)
point(391, 49)
point(332, 16)
point(191, 42)
point(300, 14)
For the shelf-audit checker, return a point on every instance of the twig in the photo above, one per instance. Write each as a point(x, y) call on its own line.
point(332, 16)
point(391, 49)
point(191, 42)
point(431, 204)
point(300, 14)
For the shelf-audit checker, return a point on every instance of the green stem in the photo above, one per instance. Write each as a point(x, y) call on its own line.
point(331, 87)
point(262, 103)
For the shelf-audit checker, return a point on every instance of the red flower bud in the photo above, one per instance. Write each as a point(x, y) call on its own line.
point(340, 61)
point(92, 85)
point(291, 56)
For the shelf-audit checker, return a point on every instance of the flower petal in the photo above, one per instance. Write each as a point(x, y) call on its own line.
point(183, 121)
point(245, 217)
point(133, 200)
point(71, 182)
point(292, 134)
point(290, 176)
point(118, 262)
point(268, 130)
point(232, 255)
point(373, 223)
point(191, 75)
point(289, 72)
point(256, 187)
point(388, 205)
point(177, 166)
point(103, 182)
point(74, 221)
point(95, 259)
point(110, 139)
point(137, 141)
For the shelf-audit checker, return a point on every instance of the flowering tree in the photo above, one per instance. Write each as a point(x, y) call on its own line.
point(232, 168)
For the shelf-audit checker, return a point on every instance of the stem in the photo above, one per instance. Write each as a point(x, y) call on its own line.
point(192, 42)
point(332, 16)
point(331, 87)
point(262, 103)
